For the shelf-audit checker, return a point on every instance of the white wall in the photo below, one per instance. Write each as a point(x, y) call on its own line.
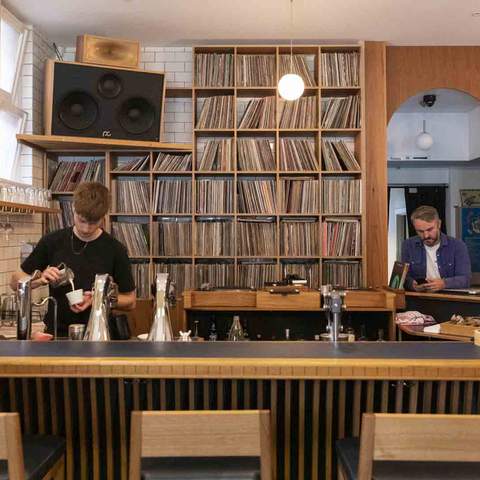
point(474, 128)
point(450, 132)
point(396, 207)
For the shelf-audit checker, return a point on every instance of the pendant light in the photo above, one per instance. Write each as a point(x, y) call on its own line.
point(291, 86)
point(424, 140)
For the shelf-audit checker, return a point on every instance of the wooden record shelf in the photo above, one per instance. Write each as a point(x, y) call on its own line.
point(60, 142)
point(23, 208)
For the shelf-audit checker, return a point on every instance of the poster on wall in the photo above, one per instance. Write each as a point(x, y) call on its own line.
point(470, 223)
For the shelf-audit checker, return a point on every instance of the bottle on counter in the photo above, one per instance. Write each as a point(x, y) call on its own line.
point(351, 334)
point(363, 334)
point(287, 334)
point(196, 337)
point(381, 335)
point(259, 337)
point(212, 332)
point(236, 331)
point(245, 331)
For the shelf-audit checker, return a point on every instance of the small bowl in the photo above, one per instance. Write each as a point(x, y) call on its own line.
point(142, 336)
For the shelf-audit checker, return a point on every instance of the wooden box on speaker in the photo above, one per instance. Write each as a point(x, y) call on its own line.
point(107, 51)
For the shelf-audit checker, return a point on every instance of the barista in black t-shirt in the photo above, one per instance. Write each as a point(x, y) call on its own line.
point(85, 248)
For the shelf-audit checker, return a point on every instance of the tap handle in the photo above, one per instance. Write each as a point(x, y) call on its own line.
point(112, 293)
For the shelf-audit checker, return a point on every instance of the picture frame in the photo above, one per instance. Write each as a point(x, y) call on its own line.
point(470, 197)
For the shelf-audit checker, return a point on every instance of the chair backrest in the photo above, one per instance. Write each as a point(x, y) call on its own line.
point(199, 433)
point(417, 437)
point(11, 445)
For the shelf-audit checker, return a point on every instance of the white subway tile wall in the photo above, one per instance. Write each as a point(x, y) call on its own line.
point(27, 228)
point(176, 62)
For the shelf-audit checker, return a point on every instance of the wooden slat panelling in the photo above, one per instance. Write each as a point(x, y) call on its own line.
point(305, 415)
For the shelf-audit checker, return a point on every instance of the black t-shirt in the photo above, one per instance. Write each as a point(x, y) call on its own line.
point(105, 254)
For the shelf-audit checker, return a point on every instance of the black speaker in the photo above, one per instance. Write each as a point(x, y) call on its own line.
point(95, 101)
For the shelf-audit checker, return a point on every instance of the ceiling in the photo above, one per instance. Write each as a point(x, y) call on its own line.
point(447, 101)
point(177, 22)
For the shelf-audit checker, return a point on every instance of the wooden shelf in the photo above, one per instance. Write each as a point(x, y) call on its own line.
point(179, 92)
point(313, 266)
point(22, 208)
point(59, 143)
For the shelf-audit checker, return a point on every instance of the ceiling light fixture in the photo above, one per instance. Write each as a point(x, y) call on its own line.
point(424, 140)
point(291, 86)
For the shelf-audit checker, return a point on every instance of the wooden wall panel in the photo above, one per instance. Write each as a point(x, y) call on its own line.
point(411, 70)
point(375, 165)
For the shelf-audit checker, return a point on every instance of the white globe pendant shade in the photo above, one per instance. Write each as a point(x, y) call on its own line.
point(291, 86)
point(424, 141)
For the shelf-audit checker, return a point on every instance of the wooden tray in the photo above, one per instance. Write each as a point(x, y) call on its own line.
point(462, 330)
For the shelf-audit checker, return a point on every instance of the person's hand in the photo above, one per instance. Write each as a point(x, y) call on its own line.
point(417, 287)
point(435, 284)
point(86, 303)
point(49, 275)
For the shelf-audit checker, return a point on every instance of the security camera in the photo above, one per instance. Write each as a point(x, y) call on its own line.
point(428, 100)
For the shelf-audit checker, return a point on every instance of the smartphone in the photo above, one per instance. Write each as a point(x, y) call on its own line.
point(421, 281)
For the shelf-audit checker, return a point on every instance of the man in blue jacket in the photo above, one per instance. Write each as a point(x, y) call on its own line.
point(436, 260)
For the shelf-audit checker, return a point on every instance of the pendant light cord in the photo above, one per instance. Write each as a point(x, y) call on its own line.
point(291, 36)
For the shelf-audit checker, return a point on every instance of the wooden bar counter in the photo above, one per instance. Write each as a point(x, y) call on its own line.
point(316, 391)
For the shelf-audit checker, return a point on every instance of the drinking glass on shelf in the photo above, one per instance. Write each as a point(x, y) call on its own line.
point(4, 193)
point(30, 196)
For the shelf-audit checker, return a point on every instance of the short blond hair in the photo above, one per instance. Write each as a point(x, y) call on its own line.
point(91, 200)
point(425, 213)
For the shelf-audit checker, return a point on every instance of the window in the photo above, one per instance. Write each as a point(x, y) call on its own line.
point(12, 117)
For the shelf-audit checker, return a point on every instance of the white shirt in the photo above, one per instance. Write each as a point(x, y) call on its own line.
point(432, 265)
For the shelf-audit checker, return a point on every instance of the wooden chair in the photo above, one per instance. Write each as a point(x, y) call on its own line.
point(412, 446)
point(33, 457)
point(166, 435)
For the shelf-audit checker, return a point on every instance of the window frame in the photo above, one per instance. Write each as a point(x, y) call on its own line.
point(9, 101)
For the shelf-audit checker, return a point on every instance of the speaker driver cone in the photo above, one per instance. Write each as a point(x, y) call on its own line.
point(136, 115)
point(78, 111)
point(110, 86)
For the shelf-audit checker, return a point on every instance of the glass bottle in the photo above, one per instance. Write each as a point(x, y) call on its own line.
point(363, 333)
point(212, 332)
point(381, 335)
point(351, 334)
point(287, 334)
point(236, 331)
point(245, 331)
point(195, 337)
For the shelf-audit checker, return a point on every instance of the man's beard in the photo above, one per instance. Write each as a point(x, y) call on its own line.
point(430, 242)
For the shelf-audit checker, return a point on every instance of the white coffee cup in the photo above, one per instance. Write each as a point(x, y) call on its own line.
point(74, 297)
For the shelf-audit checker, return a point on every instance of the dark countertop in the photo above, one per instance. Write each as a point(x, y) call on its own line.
point(285, 350)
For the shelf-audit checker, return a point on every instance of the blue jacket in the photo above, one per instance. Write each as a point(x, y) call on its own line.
point(452, 259)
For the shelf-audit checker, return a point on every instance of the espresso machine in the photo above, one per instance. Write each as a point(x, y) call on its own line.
point(161, 330)
point(25, 303)
point(105, 296)
point(333, 304)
